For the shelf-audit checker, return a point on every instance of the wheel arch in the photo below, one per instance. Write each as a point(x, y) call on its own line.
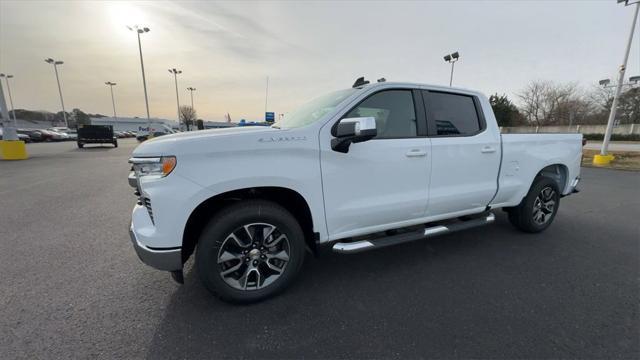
point(290, 199)
point(557, 172)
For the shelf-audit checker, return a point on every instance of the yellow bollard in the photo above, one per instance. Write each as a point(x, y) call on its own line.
point(603, 160)
point(13, 150)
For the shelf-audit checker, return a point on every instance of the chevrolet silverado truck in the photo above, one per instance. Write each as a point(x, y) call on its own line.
point(358, 169)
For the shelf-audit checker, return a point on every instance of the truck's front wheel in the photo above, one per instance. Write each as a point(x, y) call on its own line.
point(250, 251)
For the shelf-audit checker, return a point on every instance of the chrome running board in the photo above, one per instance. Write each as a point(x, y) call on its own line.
point(428, 232)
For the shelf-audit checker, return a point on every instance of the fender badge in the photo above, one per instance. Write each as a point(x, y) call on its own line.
point(283, 138)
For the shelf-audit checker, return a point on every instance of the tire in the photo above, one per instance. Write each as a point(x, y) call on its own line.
point(538, 209)
point(230, 264)
point(115, 144)
point(80, 145)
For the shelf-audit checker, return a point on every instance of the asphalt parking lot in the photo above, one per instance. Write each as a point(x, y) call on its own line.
point(72, 286)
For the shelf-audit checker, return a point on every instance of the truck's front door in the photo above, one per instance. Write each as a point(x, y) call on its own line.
point(382, 181)
point(465, 154)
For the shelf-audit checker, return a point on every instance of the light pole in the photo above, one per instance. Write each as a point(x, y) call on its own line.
point(266, 97)
point(8, 132)
point(141, 30)
point(452, 58)
point(175, 73)
point(55, 64)
point(13, 110)
point(113, 101)
point(191, 89)
point(603, 158)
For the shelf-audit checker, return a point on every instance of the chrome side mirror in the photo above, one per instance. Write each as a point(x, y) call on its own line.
point(353, 130)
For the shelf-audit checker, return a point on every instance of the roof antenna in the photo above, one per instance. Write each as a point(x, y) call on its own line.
point(360, 82)
point(382, 80)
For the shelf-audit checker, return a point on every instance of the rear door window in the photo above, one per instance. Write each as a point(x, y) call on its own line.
point(451, 114)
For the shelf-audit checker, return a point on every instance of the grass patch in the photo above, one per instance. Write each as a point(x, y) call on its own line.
point(625, 160)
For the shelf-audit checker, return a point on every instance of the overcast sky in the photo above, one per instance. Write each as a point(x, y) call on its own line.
point(227, 49)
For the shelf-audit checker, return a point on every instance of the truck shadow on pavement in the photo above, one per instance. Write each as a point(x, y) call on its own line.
point(385, 303)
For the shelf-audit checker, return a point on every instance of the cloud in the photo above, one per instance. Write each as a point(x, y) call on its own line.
point(218, 27)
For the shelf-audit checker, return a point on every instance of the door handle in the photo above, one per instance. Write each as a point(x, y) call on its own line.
point(488, 149)
point(416, 153)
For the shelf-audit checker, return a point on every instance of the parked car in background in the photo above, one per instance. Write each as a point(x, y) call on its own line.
point(156, 131)
point(143, 137)
point(73, 134)
point(64, 132)
point(24, 137)
point(55, 136)
point(21, 136)
point(44, 135)
point(121, 134)
point(34, 135)
point(62, 129)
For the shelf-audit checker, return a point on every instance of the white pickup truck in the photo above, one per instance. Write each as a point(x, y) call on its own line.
point(354, 170)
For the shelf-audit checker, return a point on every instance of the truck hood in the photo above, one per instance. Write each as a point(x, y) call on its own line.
point(170, 144)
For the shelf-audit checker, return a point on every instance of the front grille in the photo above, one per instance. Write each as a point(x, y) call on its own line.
point(142, 200)
point(147, 204)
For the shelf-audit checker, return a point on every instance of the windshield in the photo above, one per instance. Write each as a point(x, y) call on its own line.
point(313, 110)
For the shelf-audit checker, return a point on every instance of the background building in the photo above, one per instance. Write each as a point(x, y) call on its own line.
point(140, 124)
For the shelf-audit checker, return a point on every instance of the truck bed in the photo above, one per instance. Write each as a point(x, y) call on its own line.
point(523, 155)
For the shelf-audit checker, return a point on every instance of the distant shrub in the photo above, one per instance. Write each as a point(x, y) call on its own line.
point(614, 137)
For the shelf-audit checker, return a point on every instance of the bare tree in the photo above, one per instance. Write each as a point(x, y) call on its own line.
point(628, 105)
point(549, 103)
point(602, 96)
point(188, 116)
point(532, 98)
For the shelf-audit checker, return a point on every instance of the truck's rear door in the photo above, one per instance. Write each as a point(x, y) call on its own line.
point(465, 153)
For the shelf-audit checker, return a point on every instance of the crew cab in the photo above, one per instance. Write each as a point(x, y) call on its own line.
point(358, 169)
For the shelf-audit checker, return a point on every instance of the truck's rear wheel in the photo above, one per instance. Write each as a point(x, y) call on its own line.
point(250, 251)
point(538, 209)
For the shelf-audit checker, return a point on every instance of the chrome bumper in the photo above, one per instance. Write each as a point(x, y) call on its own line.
point(168, 260)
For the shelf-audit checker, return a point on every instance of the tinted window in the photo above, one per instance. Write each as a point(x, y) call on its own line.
point(394, 113)
point(453, 114)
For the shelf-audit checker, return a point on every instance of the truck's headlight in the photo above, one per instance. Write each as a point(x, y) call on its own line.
point(153, 166)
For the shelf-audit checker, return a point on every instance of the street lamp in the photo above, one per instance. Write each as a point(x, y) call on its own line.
point(452, 58)
point(13, 111)
point(175, 73)
point(191, 90)
point(113, 102)
point(603, 158)
point(606, 83)
point(55, 64)
point(141, 30)
point(266, 97)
